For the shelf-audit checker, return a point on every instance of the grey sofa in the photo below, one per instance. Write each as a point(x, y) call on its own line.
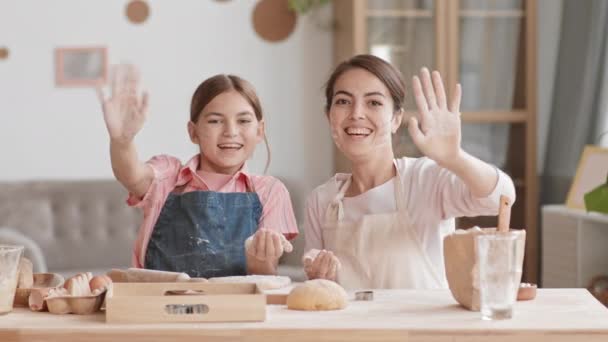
point(73, 226)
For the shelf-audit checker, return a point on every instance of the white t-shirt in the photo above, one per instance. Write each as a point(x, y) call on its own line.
point(434, 197)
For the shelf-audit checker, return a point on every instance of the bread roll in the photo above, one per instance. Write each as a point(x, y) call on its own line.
point(25, 279)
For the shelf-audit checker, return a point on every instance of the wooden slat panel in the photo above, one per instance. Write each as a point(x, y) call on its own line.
point(533, 242)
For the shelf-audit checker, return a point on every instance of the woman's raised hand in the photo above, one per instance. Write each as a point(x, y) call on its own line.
point(436, 129)
point(125, 111)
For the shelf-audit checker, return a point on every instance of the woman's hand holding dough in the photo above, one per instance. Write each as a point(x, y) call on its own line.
point(321, 264)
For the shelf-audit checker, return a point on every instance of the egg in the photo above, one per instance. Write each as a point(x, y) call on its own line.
point(100, 282)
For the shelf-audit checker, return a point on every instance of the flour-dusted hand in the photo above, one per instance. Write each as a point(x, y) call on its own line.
point(436, 130)
point(321, 264)
point(125, 110)
point(267, 245)
point(124, 113)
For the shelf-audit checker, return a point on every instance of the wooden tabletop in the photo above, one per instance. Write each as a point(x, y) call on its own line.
point(393, 315)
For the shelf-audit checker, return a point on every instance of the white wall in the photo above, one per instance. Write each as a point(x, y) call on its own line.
point(57, 133)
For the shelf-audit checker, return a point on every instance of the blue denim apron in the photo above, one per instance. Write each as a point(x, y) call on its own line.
point(202, 233)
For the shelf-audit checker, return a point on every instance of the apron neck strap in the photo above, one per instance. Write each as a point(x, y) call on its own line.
point(335, 211)
point(336, 207)
point(399, 192)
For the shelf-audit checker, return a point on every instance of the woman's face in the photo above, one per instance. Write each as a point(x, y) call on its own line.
point(362, 115)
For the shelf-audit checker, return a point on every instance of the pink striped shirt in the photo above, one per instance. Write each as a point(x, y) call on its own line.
point(169, 173)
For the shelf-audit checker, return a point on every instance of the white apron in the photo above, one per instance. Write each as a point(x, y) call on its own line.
point(380, 251)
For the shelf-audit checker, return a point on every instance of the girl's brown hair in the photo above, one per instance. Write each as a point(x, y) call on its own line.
point(218, 84)
point(385, 72)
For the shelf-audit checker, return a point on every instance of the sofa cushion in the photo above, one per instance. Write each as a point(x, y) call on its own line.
point(77, 224)
point(32, 217)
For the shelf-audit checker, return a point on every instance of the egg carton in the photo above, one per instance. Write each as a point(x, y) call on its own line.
point(40, 281)
point(80, 305)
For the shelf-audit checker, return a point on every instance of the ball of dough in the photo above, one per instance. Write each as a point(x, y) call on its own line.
point(317, 295)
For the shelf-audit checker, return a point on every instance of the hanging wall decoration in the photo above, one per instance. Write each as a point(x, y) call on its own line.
point(81, 66)
point(138, 11)
point(4, 52)
point(273, 20)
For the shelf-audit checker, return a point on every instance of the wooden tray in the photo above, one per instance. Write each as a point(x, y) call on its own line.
point(184, 302)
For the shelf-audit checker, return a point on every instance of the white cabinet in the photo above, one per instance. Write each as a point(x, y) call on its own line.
point(574, 246)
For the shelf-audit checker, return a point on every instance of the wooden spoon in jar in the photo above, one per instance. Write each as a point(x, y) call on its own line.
point(504, 214)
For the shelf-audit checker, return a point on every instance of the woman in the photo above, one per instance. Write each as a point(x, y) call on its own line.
point(382, 226)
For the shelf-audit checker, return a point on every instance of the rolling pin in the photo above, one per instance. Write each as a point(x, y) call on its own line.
point(141, 275)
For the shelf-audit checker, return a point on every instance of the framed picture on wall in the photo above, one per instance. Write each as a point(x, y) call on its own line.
point(591, 172)
point(81, 66)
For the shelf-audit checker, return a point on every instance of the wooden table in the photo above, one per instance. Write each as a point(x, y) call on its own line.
point(394, 315)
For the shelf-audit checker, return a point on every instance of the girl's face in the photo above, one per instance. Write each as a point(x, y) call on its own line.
point(362, 115)
point(226, 132)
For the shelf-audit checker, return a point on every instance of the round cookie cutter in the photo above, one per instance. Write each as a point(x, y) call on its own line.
point(364, 295)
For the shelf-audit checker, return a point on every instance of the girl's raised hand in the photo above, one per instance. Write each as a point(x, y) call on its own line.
point(125, 110)
point(436, 129)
